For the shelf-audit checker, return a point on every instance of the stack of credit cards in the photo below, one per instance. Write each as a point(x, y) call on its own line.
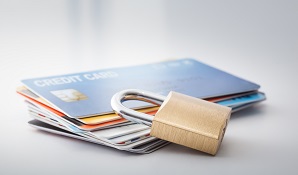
point(78, 105)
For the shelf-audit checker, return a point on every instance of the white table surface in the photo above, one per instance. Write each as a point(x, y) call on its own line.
point(256, 40)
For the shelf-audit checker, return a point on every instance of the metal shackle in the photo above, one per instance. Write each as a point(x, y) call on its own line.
point(135, 94)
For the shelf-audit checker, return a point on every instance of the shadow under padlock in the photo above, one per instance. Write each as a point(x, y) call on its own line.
point(181, 119)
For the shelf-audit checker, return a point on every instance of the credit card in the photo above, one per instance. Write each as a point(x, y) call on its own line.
point(120, 131)
point(131, 138)
point(150, 110)
point(94, 120)
point(243, 100)
point(88, 121)
point(107, 117)
point(143, 146)
point(239, 99)
point(64, 119)
point(87, 94)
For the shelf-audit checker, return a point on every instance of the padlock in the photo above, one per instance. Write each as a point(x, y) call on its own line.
point(180, 119)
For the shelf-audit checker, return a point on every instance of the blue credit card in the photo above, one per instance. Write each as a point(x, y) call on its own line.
point(89, 93)
point(238, 101)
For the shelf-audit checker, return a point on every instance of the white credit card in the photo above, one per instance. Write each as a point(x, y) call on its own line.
point(143, 146)
point(131, 138)
point(123, 135)
point(119, 131)
point(98, 141)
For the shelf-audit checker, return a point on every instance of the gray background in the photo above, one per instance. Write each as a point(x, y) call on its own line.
point(254, 39)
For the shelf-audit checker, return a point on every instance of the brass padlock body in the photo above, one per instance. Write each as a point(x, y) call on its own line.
point(191, 122)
